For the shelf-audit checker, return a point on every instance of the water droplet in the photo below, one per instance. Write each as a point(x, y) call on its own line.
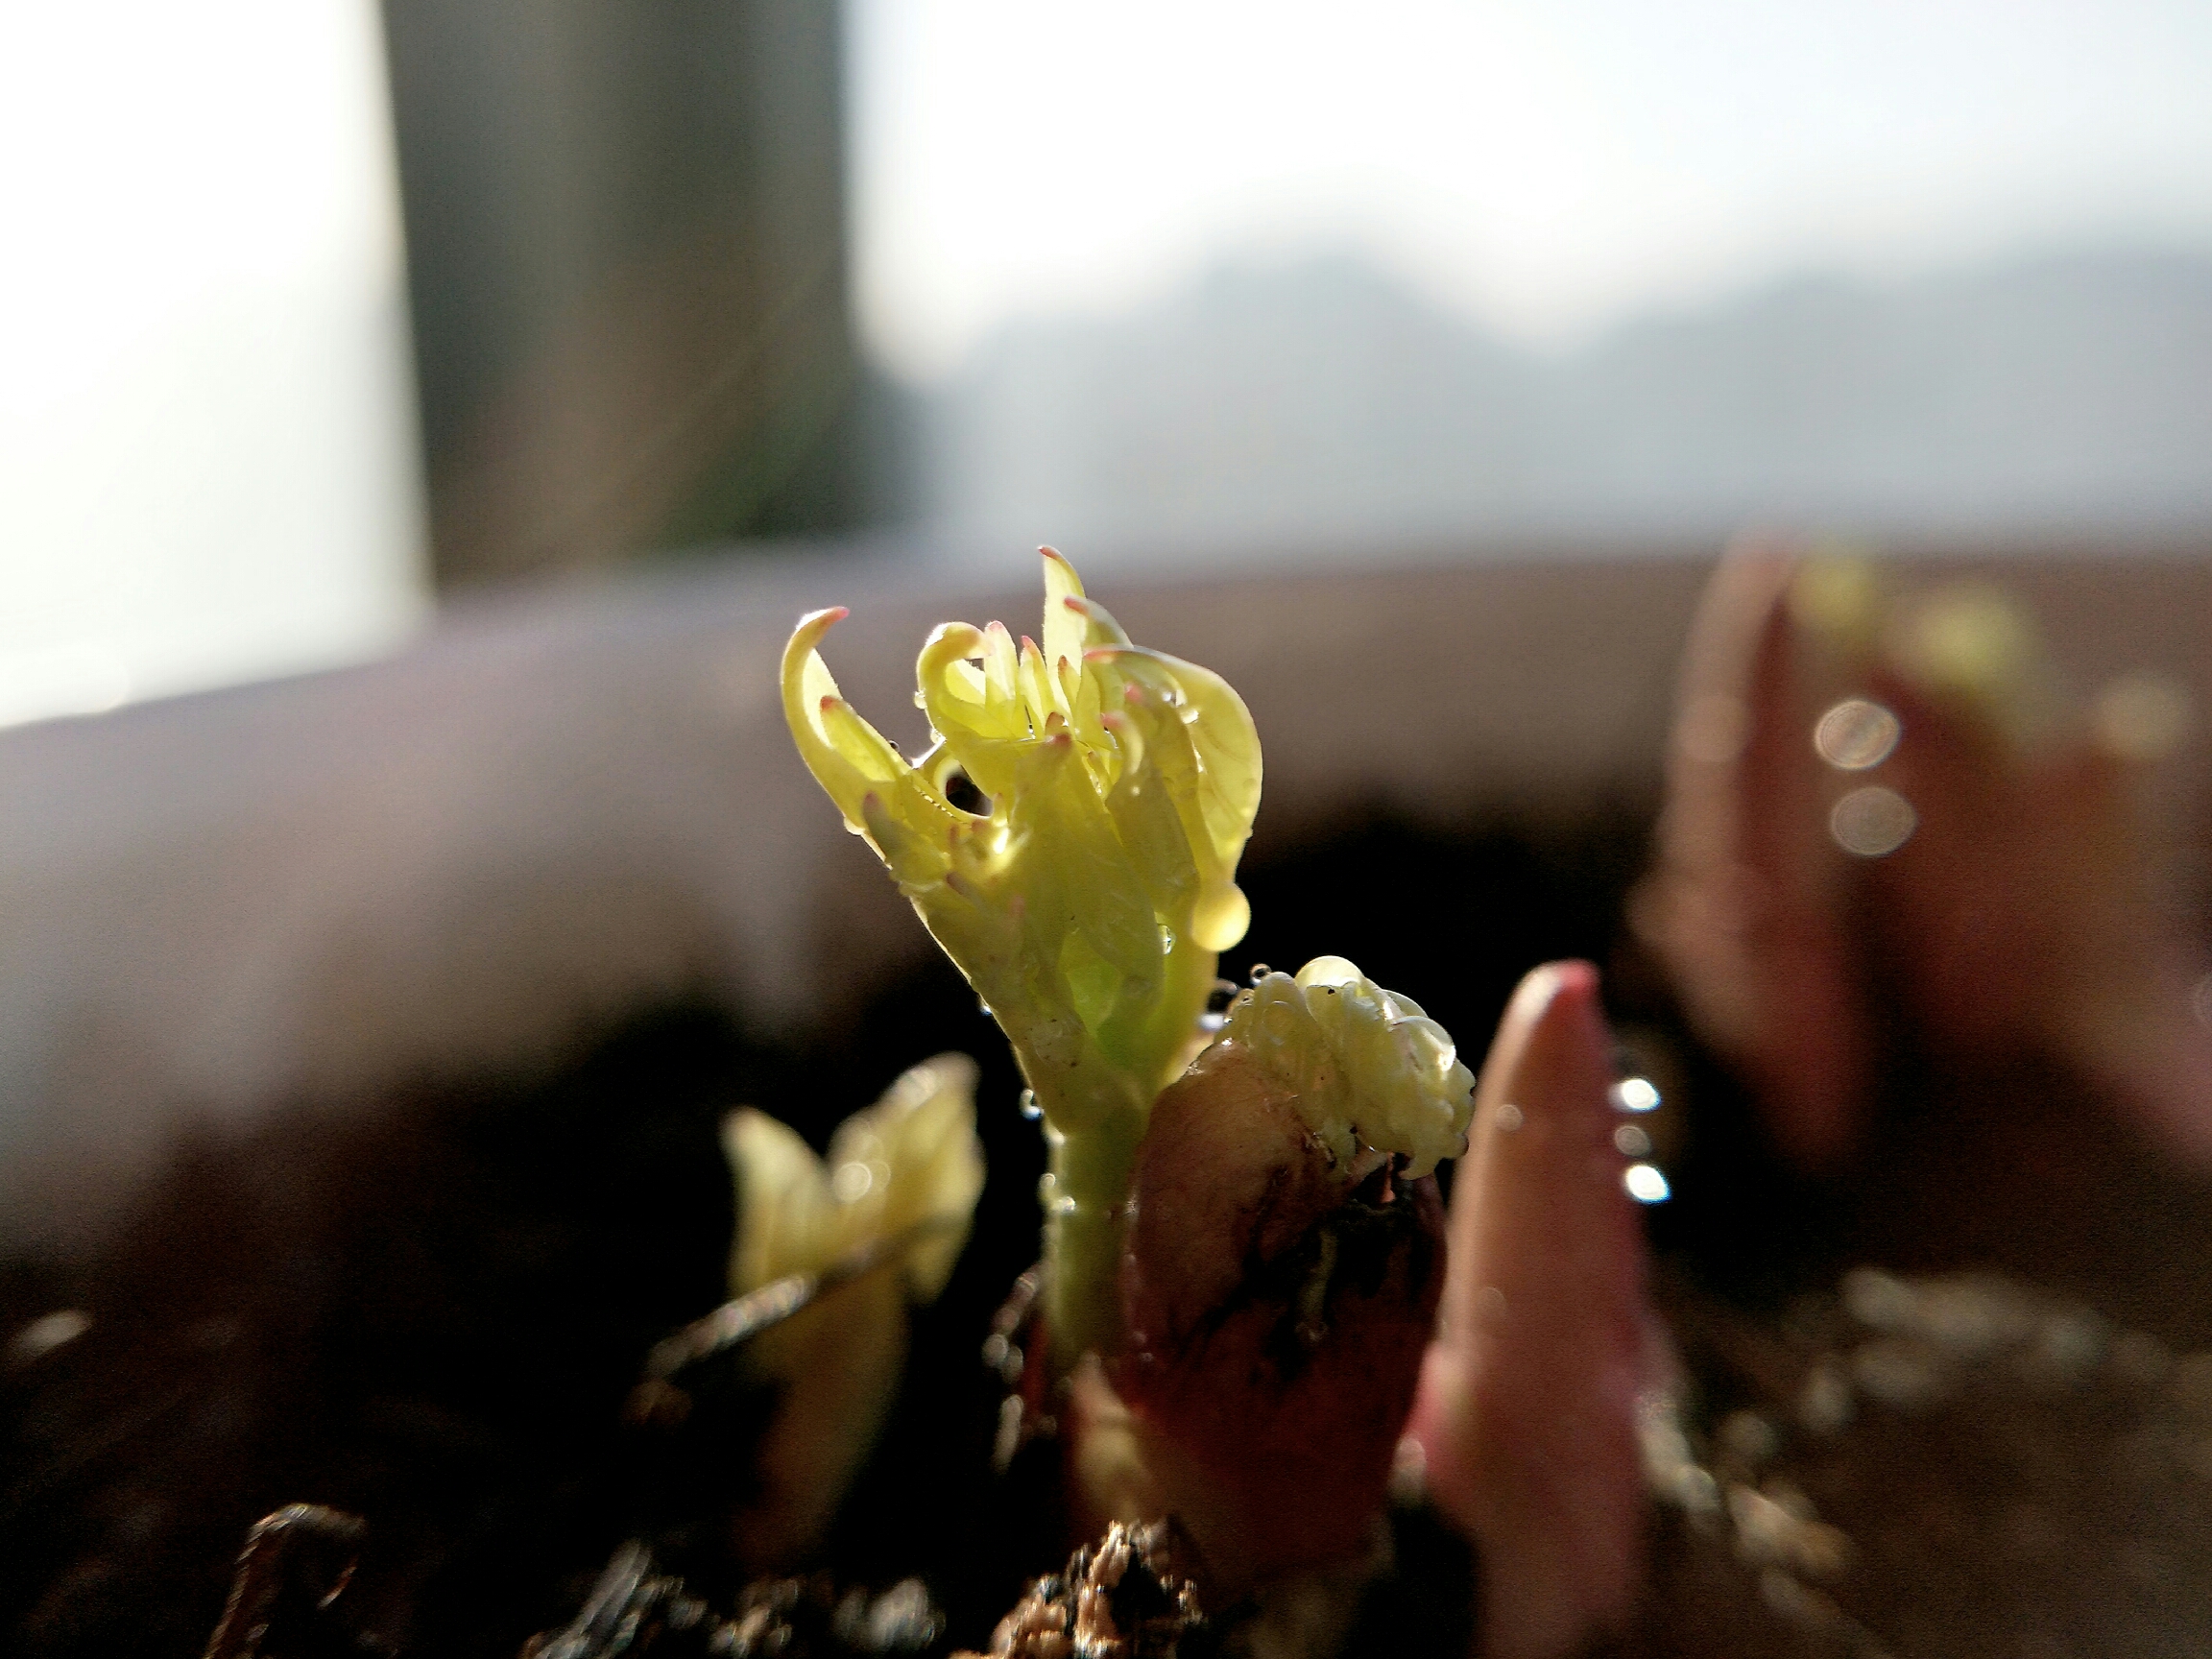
point(1645, 1185)
point(1331, 971)
point(1632, 1141)
point(1219, 916)
point(986, 1008)
point(1029, 1107)
point(1508, 1119)
point(1633, 1094)
point(1259, 972)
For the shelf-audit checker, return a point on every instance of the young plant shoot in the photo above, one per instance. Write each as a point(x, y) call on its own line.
point(1087, 894)
point(1249, 1241)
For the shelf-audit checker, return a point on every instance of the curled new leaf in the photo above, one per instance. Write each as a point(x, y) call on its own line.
point(1071, 838)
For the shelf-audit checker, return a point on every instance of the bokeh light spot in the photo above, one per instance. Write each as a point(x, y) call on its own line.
point(1645, 1183)
point(1634, 1094)
point(1856, 733)
point(1872, 822)
point(851, 1181)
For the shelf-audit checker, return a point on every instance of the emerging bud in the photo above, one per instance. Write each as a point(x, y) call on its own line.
point(1885, 815)
point(1367, 1066)
point(1284, 1269)
point(1528, 1398)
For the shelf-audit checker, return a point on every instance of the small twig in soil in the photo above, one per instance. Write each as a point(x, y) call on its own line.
point(294, 1568)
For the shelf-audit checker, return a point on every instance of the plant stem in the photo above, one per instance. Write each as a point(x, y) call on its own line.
point(1084, 1223)
point(1094, 1119)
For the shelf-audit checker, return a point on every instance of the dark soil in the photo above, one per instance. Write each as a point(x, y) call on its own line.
point(429, 1316)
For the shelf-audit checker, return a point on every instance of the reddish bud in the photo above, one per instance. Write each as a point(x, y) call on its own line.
point(1277, 1303)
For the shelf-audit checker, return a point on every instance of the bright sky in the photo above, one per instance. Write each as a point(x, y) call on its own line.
point(207, 466)
point(1547, 167)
